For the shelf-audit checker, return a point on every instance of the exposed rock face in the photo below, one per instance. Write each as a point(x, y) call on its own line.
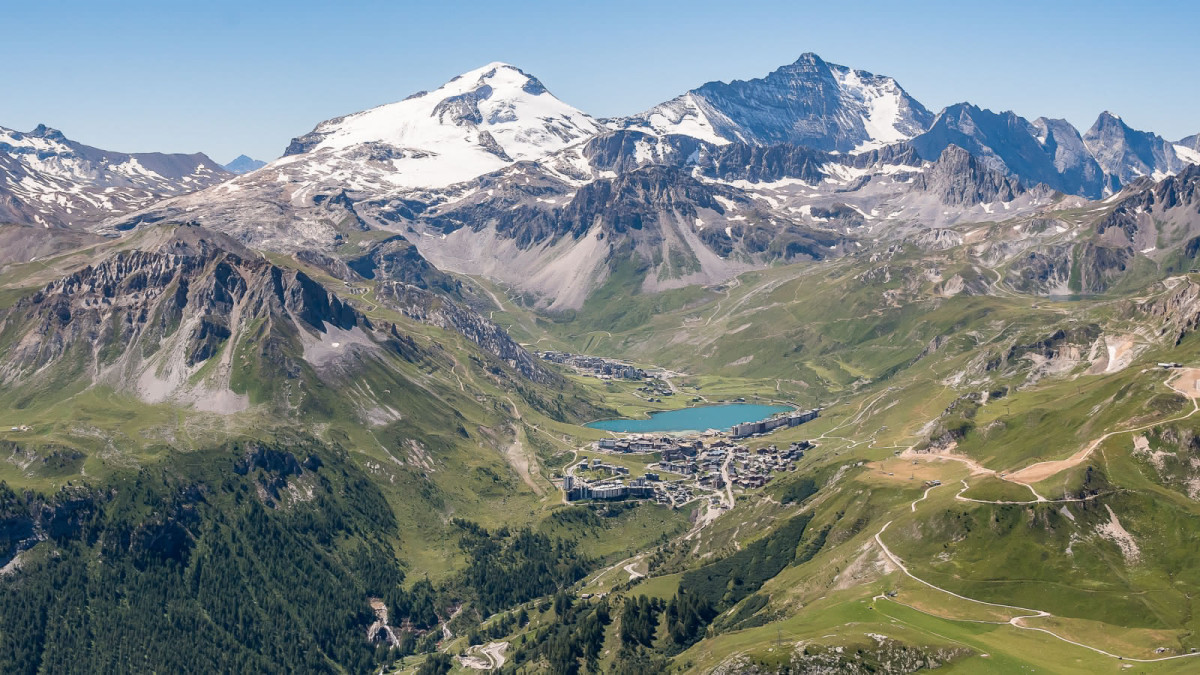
point(279, 475)
point(1051, 151)
point(1126, 154)
point(1046, 270)
point(757, 163)
point(1152, 216)
point(1010, 144)
point(626, 150)
point(1173, 454)
point(49, 180)
point(395, 259)
point(1080, 172)
point(805, 163)
point(423, 306)
point(957, 178)
point(810, 102)
point(146, 320)
point(30, 518)
point(1178, 312)
point(1179, 191)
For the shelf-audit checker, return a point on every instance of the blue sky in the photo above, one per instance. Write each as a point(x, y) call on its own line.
point(232, 77)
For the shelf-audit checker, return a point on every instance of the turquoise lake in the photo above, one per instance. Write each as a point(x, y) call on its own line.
point(700, 418)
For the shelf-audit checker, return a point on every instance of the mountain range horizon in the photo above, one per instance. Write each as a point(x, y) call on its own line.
point(802, 58)
point(787, 374)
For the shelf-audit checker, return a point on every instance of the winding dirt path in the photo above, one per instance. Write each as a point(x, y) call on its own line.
point(1040, 471)
point(633, 574)
point(1016, 621)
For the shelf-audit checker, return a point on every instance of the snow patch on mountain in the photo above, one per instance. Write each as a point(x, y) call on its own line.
point(684, 115)
point(881, 103)
point(1189, 155)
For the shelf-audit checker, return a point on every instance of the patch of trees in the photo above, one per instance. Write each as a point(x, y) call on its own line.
point(594, 516)
point(252, 557)
point(504, 625)
point(508, 568)
point(639, 621)
point(709, 590)
point(436, 664)
point(190, 569)
point(573, 641)
point(797, 491)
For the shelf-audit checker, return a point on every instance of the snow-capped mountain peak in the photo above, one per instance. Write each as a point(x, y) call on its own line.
point(477, 122)
point(810, 102)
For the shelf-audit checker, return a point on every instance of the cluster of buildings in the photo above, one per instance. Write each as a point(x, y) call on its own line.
point(653, 389)
point(597, 366)
point(645, 444)
point(749, 469)
point(598, 464)
point(755, 469)
point(705, 462)
point(638, 488)
point(702, 468)
point(792, 419)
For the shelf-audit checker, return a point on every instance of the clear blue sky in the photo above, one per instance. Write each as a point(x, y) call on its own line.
point(232, 77)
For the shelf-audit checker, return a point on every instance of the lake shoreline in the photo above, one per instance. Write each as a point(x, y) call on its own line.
point(727, 415)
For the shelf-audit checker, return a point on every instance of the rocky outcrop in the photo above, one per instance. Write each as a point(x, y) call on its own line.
point(407, 282)
point(395, 259)
point(958, 179)
point(29, 518)
point(146, 319)
point(1090, 267)
point(1178, 192)
point(625, 150)
point(1176, 312)
point(756, 163)
point(1010, 144)
point(421, 305)
point(1126, 154)
point(276, 472)
point(876, 654)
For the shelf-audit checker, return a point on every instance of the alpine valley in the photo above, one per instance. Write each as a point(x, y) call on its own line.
point(327, 414)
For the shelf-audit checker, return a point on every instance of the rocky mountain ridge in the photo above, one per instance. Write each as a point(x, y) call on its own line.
point(491, 175)
point(49, 180)
point(147, 320)
point(810, 103)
